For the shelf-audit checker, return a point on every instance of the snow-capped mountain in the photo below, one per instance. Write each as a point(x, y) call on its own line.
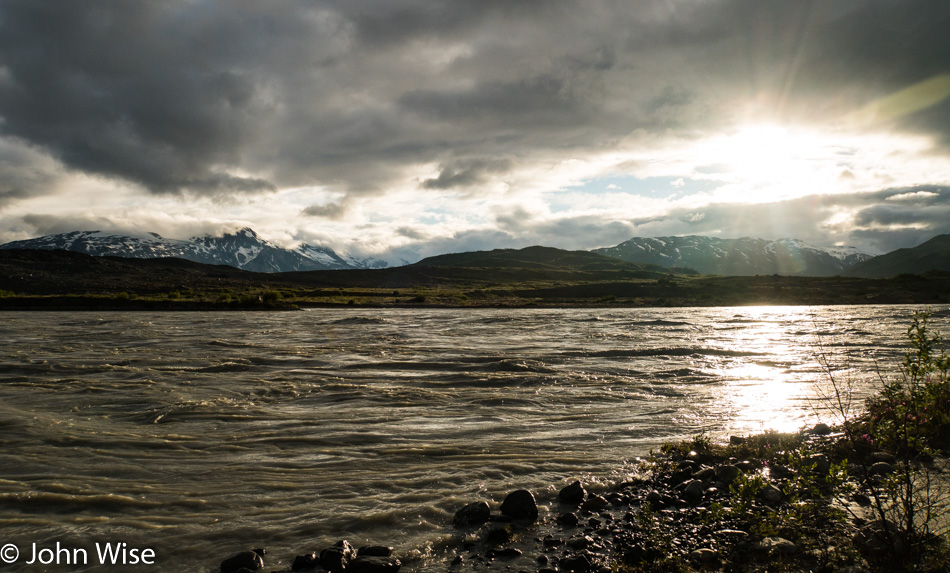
point(745, 256)
point(243, 249)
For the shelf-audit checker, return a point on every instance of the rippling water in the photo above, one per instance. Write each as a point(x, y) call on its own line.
point(201, 434)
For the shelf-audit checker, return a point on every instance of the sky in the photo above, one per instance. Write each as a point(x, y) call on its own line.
point(403, 129)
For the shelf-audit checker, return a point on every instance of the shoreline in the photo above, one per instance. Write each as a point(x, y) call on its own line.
point(679, 514)
point(108, 304)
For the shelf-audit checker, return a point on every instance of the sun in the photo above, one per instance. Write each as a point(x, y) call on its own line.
point(771, 161)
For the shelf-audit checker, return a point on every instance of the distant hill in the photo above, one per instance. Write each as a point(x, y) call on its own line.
point(736, 257)
point(934, 255)
point(243, 249)
point(535, 258)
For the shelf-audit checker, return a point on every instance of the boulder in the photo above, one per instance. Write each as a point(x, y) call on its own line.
point(595, 503)
point(373, 564)
point(771, 494)
point(703, 556)
point(880, 469)
point(727, 473)
point(572, 494)
point(820, 429)
point(244, 560)
point(820, 463)
point(520, 504)
point(472, 514)
point(567, 520)
point(577, 563)
point(305, 562)
point(776, 545)
point(374, 551)
point(336, 558)
point(693, 492)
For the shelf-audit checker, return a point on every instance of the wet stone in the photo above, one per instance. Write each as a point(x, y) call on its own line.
point(374, 551)
point(498, 535)
point(572, 494)
point(305, 562)
point(520, 504)
point(373, 564)
point(337, 557)
point(577, 563)
point(567, 520)
point(472, 514)
point(506, 553)
point(595, 503)
point(244, 560)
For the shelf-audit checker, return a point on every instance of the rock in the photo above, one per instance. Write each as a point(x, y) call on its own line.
point(472, 514)
point(776, 545)
point(572, 494)
point(595, 503)
point(733, 535)
point(878, 538)
point(337, 557)
point(686, 465)
point(654, 499)
point(745, 465)
point(771, 494)
point(304, 562)
point(244, 560)
point(577, 563)
point(373, 564)
point(506, 553)
point(820, 463)
point(693, 492)
point(374, 551)
point(875, 457)
point(704, 474)
point(820, 429)
point(736, 440)
point(567, 520)
point(880, 469)
point(498, 536)
point(520, 504)
point(703, 556)
point(727, 473)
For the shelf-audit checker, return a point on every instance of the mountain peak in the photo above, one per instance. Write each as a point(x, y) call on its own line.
point(744, 256)
point(243, 249)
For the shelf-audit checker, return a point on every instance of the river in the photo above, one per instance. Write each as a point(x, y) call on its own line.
point(196, 435)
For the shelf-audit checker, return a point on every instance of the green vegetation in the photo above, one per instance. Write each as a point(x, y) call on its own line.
point(505, 278)
point(868, 492)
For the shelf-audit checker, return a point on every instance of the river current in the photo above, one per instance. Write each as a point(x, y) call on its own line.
point(198, 435)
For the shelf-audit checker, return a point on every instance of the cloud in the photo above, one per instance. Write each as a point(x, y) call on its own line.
point(371, 100)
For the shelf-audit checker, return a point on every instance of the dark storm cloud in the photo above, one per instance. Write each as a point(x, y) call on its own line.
point(466, 173)
point(245, 96)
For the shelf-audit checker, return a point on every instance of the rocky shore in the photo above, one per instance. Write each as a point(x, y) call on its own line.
point(770, 502)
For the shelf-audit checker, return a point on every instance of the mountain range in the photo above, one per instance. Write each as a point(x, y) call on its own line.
point(243, 249)
point(737, 257)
